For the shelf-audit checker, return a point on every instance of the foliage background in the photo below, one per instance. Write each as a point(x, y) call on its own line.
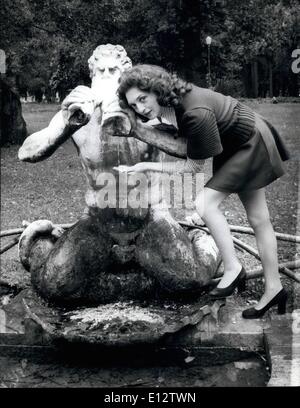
point(48, 42)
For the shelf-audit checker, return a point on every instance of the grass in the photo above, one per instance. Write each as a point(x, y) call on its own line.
point(53, 188)
point(280, 99)
point(38, 115)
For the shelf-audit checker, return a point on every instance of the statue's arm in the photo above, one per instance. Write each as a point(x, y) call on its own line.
point(162, 140)
point(41, 145)
point(77, 109)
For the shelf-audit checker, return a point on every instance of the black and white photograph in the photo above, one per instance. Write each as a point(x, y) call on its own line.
point(150, 201)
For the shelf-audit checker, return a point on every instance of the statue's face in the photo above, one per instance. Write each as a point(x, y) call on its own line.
point(106, 66)
point(107, 72)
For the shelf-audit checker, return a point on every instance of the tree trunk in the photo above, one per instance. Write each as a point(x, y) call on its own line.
point(254, 77)
point(271, 79)
point(12, 125)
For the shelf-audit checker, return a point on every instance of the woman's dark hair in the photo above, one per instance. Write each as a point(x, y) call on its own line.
point(168, 88)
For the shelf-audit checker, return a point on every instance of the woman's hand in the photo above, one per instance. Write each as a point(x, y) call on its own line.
point(137, 168)
point(83, 99)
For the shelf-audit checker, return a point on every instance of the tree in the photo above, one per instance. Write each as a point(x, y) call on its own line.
point(48, 43)
point(256, 29)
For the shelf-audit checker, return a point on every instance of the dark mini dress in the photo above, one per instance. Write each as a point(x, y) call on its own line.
point(248, 153)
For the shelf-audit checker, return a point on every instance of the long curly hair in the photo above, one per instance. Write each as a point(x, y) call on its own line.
point(168, 88)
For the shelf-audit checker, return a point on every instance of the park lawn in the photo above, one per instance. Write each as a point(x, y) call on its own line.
point(54, 189)
point(51, 189)
point(38, 115)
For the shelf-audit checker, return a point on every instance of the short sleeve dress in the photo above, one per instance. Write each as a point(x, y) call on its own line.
point(247, 151)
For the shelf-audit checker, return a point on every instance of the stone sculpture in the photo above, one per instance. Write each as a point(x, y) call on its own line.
point(115, 252)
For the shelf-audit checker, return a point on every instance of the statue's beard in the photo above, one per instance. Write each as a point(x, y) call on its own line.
point(105, 87)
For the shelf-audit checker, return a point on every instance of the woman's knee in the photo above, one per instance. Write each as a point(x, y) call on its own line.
point(205, 205)
point(256, 208)
point(259, 219)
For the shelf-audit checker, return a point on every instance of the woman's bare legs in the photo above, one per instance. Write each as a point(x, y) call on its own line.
point(258, 216)
point(207, 206)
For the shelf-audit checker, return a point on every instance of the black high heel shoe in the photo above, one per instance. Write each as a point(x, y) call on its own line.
point(279, 300)
point(239, 282)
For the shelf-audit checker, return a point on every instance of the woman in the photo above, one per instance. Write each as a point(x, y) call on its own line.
point(247, 153)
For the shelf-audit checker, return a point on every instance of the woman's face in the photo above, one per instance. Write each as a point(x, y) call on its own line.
point(144, 103)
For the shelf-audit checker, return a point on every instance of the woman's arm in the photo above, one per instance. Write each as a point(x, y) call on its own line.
point(162, 140)
point(178, 166)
